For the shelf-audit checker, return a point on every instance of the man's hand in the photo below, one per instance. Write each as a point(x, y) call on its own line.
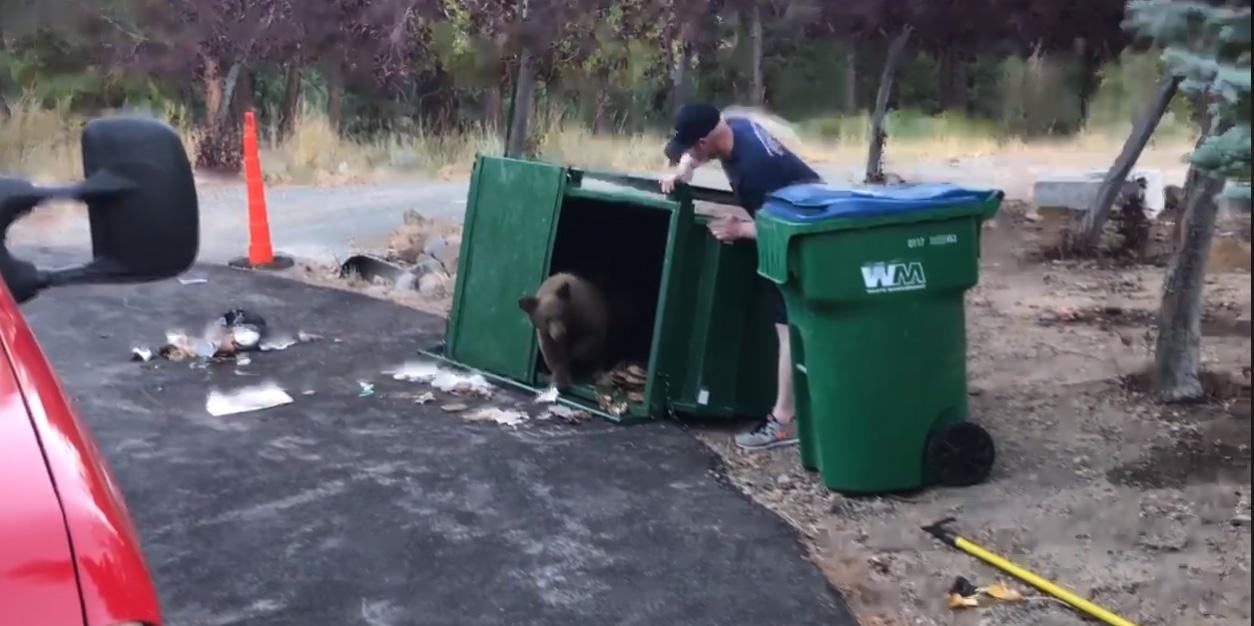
point(669, 181)
point(730, 229)
point(682, 174)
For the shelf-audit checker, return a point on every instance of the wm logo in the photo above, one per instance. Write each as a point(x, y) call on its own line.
point(893, 277)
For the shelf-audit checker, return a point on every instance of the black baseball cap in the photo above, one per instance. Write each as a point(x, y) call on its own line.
point(692, 123)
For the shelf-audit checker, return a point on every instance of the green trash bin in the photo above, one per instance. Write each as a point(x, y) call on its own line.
point(874, 281)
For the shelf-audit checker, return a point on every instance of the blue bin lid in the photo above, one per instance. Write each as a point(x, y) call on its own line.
point(816, 202)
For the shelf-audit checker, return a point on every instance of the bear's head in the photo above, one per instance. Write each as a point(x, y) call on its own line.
point(549, 312)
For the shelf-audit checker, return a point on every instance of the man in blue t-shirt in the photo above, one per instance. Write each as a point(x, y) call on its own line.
point(756, 164)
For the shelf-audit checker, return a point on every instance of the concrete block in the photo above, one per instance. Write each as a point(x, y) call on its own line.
point(1077, 192)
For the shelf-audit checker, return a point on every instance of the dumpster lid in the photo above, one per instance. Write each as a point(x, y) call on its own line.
point(815, 202)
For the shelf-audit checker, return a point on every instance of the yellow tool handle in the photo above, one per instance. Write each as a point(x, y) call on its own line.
point(1042, 584)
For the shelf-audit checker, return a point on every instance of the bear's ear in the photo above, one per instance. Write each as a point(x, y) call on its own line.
point(528, 304)
point(563, 291)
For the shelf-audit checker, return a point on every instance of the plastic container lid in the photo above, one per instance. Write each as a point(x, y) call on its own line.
point(816, 202)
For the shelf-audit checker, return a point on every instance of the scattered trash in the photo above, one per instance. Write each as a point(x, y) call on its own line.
point(457, 383)
point(548, 396)
point(454, 408)
point(247, 399)
point(620, 387)
point(238, 330)
point(193, 281)
point(426, 398)
point(141, 354)
point(964, 595)
point(500, 416)
point(611, 404)
point(367, 389)
point(227, 336)
point(243, 360)
point(283, 342)
point(567, 414)
point(179, 346)
point(308, 392)
point(1003, 592)
point(416, 372)
point(630, 377)
point(470, 385)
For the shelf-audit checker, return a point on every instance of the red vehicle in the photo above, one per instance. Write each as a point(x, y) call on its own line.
point(69, 552)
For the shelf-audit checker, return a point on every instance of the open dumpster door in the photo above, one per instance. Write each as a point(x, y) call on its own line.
point(511, 217)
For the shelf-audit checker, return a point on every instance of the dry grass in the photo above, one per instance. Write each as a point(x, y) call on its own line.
point(316, 153)
point(42, 143)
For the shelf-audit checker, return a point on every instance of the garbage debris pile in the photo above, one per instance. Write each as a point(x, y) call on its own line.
point(620, 387)
point(230, 336)
point(475, 386)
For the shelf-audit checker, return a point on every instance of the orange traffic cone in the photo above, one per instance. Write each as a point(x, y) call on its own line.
point(260, 252)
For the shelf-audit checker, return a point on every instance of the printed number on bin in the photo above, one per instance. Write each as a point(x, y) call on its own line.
point(916, 242)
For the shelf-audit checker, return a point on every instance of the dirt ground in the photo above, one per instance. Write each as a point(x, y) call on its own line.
point(1142, 508)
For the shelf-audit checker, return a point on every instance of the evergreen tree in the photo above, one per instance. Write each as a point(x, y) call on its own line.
point(1209, 47)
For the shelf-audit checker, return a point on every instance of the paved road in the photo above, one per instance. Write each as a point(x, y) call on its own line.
point(345, 510)
point(326, 224)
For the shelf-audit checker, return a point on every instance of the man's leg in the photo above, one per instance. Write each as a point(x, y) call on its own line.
point(785, 405)
point(779, 428)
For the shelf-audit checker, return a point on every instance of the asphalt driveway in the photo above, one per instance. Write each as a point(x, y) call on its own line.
point(340, 509)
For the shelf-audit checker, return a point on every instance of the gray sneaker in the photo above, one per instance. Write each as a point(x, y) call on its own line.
point(769, 434)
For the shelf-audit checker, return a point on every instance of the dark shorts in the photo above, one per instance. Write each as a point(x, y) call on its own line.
point(777, 299)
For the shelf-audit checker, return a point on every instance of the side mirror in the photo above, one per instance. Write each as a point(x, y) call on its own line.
point(141, 202)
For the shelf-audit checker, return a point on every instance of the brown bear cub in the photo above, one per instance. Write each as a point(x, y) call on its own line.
point(571, 319)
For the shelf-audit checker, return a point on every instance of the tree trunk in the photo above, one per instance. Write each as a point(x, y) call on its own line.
point(681, 81)
point(1090, 65)
point(850, 105)
point(953, 80)
point(229, 87)
point(335, 94)
point(1091, 228)
point(758, 94)
point(600, 119)
point(1177, 357)
point(524, 101)
point(213, 89)
point(291, 101)
point(490, 115)
point(875, 157)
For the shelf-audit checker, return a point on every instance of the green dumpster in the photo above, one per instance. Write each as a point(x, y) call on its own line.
point(874, 281)
point(703, 336)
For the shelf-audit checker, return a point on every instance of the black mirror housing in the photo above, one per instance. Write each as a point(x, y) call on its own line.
point(141, 201)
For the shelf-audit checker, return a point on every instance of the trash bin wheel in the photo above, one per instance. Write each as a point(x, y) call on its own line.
point(959, 455)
